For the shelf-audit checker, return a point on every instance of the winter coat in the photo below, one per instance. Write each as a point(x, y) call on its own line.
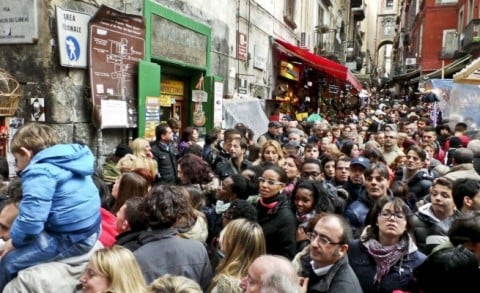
point(340, 278)
point(166, 163)
point(163, 252)
point(356, 212)
point(419, 185)
point(462, 171)
point(400, 276)
point(428, 230)
point(279, 227)
point(59, 195)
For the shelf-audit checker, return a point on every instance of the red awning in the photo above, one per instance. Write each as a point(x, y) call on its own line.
point(328, 66)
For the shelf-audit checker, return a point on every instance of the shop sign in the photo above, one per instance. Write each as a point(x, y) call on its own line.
point(178, 43)
point(165, 101)
point(260, 57)
point(172, 87)
point(242, 53)
point(18, 22)
point(290, 71)
point(72, 29)
point(117, 44)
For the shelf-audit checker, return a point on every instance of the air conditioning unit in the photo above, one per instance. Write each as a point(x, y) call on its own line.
point(410, 61)
point(305, 40)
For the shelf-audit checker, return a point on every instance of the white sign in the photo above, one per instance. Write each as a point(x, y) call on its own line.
point(18, 22)
point(114, 113)
point(199, 96)
point(218, 103)
point(410, 61)
point(260, 57)
point(72, 28)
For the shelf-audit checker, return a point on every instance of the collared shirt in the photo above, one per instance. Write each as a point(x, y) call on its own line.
point(320, 271)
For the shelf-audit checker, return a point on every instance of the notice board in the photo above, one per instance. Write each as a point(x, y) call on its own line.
point(117, 44)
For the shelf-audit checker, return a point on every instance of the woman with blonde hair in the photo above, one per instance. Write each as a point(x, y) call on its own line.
point(241, 242)
point(142, 158)
point(174, 284)
point(113, 269)
point(271, 153)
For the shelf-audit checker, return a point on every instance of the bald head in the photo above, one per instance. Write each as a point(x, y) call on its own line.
point(269, 273)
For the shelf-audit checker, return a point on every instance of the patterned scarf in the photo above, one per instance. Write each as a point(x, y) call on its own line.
point(305, 218)
point(385, 256)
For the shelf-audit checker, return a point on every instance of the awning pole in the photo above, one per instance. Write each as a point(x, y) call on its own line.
point(443, 69)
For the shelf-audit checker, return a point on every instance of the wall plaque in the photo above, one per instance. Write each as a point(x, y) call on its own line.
point(178, 43)
point(18, 22)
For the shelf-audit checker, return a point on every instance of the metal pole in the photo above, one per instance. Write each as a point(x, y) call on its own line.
point(98, 151)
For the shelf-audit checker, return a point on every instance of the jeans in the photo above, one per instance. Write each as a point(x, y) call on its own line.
point(46, 247)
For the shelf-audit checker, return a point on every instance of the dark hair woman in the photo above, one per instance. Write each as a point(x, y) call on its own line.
point(275, 214)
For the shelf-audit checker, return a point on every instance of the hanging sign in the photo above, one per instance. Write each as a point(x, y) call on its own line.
point(199, 96)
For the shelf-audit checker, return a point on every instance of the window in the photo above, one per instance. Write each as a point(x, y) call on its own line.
point(387, 27)
point(389, 3)
point(289, 13)
point(449, 43)
point(290, 9)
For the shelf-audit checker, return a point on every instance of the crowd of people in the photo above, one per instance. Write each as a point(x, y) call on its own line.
point(383, 199)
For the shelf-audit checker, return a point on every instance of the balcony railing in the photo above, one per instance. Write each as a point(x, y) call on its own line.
point(472, 34)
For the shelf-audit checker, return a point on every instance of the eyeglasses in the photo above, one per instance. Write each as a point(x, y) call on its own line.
point(387, 214)
point(269, 181)
point(322, 239)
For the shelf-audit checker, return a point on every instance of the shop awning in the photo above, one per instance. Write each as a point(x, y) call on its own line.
point(448, 70)
point(470, 74)
point(328, 66)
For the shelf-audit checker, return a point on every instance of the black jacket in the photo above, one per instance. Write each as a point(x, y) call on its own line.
point(279, 227)
point(128, 239)
point(167, 163)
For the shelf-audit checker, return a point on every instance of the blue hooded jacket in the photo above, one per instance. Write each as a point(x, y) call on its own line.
point(59, 195)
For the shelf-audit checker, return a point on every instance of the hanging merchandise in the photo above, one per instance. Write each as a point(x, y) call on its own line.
point(9, 94)
point(199, 96)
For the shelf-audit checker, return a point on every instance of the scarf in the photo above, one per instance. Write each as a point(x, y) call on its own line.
point(269, 203)
point(385, 256)
point(305, 218)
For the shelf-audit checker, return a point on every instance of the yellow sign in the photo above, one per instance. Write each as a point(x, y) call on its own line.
point(165, 101)
point(172, 87)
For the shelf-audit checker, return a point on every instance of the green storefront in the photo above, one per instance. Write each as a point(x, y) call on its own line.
point(174, 79)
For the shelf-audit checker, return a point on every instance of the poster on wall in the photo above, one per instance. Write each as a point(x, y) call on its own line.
point(152, 116)
point(13, 124)
point(117, 44)
point(72, 31)
point(218, 104)
point(18, 22)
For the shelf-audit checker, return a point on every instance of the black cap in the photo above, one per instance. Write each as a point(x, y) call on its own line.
point(122, 149)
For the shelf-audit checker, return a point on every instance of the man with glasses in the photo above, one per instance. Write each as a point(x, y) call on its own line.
point(390, 148)
point(326, 265)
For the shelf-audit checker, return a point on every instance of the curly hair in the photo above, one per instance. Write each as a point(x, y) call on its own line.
point(195, 170)
point(164, 205)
